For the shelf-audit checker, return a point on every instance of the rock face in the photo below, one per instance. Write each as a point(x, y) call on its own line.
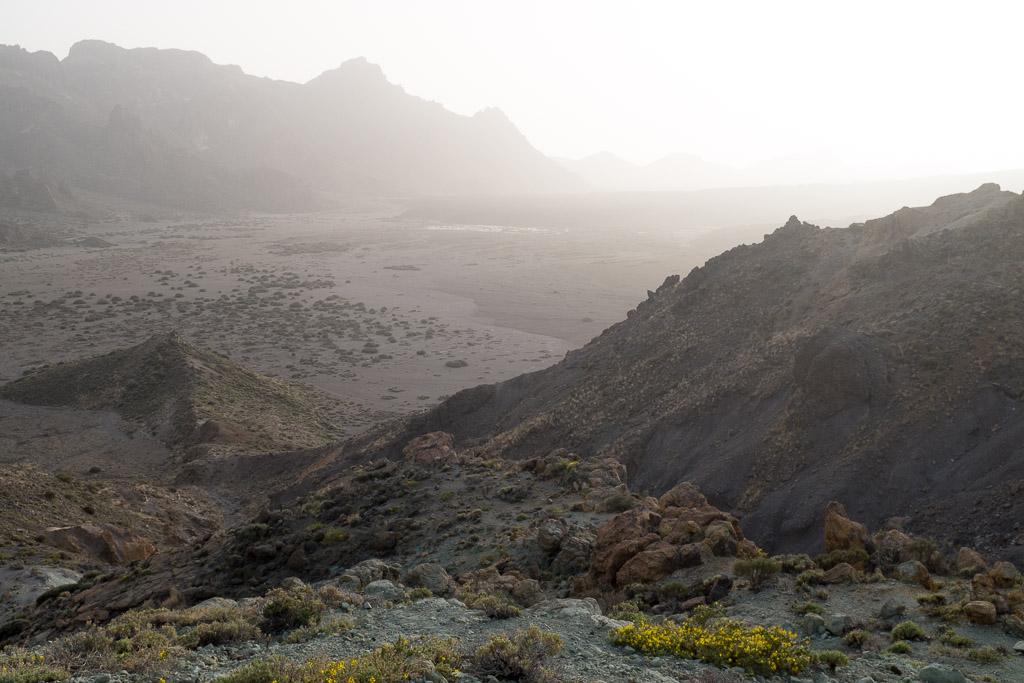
point(788, 373)
point(841, 532)
point(648, 543)
point(104, 543)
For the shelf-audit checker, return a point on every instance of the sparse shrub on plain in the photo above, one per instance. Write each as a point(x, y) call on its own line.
point(757, 570)
point(286, 609)
point(832, 659)
point(518, 657)
point(493, 605)
point(907, 630)
point(855, 557)
point(900, 647)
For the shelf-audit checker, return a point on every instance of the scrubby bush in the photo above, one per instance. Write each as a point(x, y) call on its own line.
point(493, 605)
point(907, 630)
point(953, 639)
point(22, 666)
point(723, 642)
point(331, 627)
point(519, 657)
point(857, 638)
point(900, 647)
point(803, 608)
point(757, 570)
point(288, 608)
point(235, 630)
point(856, 557)
point(811, 577)
point(628, 610)
point(833, 659)
point(987, 654)
point(795, 564)
point(620, 502)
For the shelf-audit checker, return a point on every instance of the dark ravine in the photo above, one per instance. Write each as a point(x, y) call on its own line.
point(881, 365)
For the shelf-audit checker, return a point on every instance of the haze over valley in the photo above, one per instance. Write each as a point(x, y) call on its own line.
point(306, 376)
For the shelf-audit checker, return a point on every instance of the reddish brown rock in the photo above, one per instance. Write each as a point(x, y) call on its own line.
point(980, 612)
point(841, 532)
point(431, 447)
point(969, 562)
point(841, 573)
point(1004, 575)
point(684, 495)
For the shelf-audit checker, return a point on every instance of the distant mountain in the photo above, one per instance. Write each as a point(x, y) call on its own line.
point(189, 397)
point(881, 365)
point(171, 127)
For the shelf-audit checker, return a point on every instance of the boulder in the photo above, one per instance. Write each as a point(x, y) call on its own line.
point(371, 570)
point(430, 448)
point(892, 609)
point(841, 532)
point(574, 553)
point(1018, 647)
point(433, 577)
point(913, 571)
point(685, 495)
point(550, 534)
point(721, 538)
point(937, 673)
point(1004, 575)
point(841, 573)
point(838, 624)
point(383, 590)
point(969, 562)
point(656, 563)
point(980, 612)
point(812, 624)
point(103, 542)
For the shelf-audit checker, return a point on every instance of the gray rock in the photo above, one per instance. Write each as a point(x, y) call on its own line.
point(891, 609)
point(550, 534)
point(1019, 647)
point(812, 624)
point(838, 624)
point(937, 673)
point(385, 590)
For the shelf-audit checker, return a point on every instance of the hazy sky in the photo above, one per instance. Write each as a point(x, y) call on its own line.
point(887, 88)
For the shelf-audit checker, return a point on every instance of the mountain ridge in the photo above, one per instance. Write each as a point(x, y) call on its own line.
point(783, 374)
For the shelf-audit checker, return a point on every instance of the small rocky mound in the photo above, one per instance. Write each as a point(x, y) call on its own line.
point(648, 543)
point(191, 398)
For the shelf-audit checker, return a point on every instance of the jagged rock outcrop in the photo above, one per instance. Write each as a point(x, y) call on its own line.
point(650, 542)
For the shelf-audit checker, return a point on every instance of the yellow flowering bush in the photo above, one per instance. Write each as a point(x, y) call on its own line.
point(393, 663)
point(764, 650)
point(22, 666)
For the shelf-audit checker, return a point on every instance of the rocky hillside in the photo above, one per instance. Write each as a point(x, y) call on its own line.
point(880, 365)
point(171, 127)
point(193, 399)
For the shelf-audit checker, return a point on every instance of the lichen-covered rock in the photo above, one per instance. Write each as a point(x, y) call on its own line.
point(432, 576)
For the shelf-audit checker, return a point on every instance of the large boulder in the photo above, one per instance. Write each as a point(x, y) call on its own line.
point(103, 542)
point(913, 571)
point(657, 562)
point(1004, 575)
point(841, 532)
point(980, 612)
point(432, 576)
point(969, 562)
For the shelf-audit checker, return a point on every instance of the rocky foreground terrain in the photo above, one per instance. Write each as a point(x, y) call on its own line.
point(693, 496)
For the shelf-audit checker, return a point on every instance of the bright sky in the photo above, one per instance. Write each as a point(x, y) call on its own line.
point(888, 88)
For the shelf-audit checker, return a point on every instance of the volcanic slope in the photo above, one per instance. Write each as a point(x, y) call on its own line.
point(881, 365)
point(192, 399)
